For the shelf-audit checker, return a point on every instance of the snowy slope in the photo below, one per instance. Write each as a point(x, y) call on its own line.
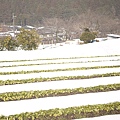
point(106, 48)
point(110, 47)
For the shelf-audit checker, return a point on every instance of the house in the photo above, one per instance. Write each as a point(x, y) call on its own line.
point(51, 35)
point(4, 34)
point(28, 27)
point(112, 36)
point(9, 33)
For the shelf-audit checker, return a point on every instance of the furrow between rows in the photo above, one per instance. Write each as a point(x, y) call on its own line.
point(101, 59)
point(60, 66)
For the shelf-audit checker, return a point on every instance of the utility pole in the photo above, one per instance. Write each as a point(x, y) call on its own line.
point(13, 17)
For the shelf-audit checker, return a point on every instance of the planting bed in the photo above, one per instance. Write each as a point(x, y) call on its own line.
point(12, 96)
point(60, 84)
point(59, 61)
point(62, 67)
point(59, 73)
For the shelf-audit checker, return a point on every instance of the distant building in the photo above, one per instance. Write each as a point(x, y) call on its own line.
point(51, 35)
point(112, 36)
point(9, 33)
point(28, 27)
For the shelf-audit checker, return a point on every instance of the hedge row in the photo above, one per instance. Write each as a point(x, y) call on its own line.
point(58, 63)
point(33, 80)
point(12, 96)
point(68, 113)
point(54, 70)
point(61, 58)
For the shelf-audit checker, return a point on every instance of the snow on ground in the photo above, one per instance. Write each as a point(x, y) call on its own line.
point(106, 117)
point(46, 103)
point(109, 47)
point(58, 74)
point(100, 59)
point(116, 58)
point(59, 66)
point(64, 84)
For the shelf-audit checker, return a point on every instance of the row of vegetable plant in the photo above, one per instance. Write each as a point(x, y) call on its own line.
point(56, 63)
point(33, 80)
point(55, 70)
point(13, 96)
point(68, 113)
point(58, 58)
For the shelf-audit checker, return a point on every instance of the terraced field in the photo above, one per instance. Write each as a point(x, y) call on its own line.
point(61, 88)
point(30, 86)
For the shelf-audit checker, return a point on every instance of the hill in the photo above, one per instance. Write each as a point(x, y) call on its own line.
point(78, 13)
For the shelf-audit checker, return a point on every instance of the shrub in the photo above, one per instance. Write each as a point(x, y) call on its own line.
point(8, 43)
point(28, 40)
point(87, 36)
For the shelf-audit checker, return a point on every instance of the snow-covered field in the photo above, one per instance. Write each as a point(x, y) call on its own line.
point(75, 60)
point(110, 47)
point(59, 66)
point(110, 56)
point(33, 105)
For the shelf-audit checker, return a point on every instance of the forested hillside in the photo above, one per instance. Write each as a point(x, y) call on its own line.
point(77, 13)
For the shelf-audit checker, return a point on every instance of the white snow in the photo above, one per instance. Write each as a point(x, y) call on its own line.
point(106, 117)
point(59, 66)
point(116, 58)
point(33, 105)
point(64, 84)
point(110, 47)
point(58, 74)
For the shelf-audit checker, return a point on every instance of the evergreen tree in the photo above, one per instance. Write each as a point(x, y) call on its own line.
point(87, 36)
point(28, 39)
